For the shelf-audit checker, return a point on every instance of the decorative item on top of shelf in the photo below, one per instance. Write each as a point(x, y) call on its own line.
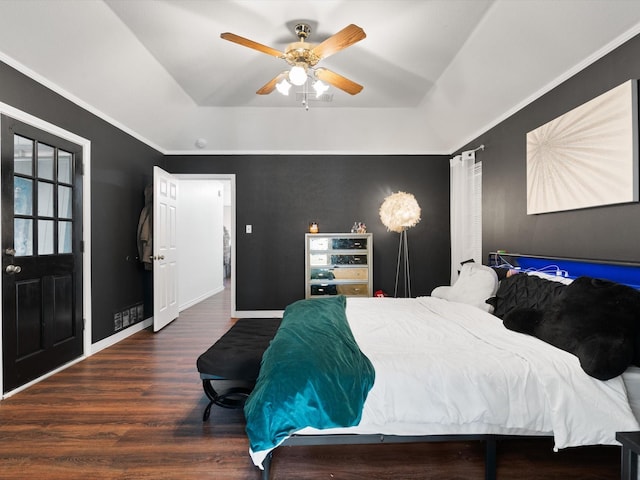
point(313, 227)
point(359, 227)
point(398, 212)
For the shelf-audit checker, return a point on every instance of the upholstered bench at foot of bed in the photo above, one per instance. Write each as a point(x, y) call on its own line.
point(233, 362)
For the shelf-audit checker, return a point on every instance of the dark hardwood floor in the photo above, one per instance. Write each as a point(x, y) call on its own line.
point(134, 411)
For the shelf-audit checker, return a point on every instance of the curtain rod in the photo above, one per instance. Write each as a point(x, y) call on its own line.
point(471, 154)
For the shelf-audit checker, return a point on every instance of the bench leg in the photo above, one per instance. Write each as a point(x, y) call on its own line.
point(207, 411)
point(233, 398)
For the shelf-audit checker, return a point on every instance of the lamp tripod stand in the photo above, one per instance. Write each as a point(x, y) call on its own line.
point(403, 259)
point(398, 212)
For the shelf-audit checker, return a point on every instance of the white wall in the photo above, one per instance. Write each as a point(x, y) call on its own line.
point(200, 273)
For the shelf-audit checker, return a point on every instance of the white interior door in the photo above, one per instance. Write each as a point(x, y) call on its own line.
point(165, 248)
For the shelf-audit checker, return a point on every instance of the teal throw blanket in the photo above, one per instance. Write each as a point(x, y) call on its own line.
point(312, 375)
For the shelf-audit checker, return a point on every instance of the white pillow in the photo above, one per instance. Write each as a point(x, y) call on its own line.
point(474, 286)
point(441, 292)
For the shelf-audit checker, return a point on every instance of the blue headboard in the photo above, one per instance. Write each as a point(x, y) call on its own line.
point(627, 273)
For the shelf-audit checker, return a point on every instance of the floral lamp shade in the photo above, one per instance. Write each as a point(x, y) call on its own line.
point(399, 211)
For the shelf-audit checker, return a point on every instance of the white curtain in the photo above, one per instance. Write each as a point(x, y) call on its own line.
point(466, 211)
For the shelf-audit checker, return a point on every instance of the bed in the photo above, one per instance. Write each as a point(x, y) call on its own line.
point(443, 367)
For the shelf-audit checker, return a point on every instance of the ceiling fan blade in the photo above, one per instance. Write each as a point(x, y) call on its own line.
point(338, 81)
point(270, 86)
point(245, 42)
point(344, 38)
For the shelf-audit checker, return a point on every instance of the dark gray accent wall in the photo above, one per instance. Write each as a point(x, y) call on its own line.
point(121, 166)
point(280, 194)
point(607, 232)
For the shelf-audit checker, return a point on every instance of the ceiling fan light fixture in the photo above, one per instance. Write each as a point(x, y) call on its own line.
point(283, 87)
point(320, 88)
point(298, 74)
point(303, 57)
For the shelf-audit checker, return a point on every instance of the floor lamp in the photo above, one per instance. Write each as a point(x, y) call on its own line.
point(399, 212)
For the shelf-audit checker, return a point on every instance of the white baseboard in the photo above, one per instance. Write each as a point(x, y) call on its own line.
point(204, 296)
point(121, 335)
point(46, 375)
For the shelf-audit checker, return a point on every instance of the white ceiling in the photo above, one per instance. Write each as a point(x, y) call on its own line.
point(436, 73)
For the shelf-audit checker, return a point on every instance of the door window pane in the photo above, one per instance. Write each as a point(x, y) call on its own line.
point(45, 161)
point(45, 199)
point(45, 237)
point(64, 166)
point(64, 202)
point(64, 237)
point(22, 196)
point(23, 236)
point(22, 155)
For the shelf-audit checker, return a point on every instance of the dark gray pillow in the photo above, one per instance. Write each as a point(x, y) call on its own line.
point(524, 291)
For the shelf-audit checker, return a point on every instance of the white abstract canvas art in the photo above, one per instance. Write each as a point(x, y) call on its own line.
point(587, 157)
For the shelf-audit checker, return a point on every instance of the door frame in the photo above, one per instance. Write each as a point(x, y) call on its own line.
point(231, 178)
point(85, 144)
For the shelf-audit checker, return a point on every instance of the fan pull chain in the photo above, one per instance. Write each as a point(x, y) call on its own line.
point(305, 95)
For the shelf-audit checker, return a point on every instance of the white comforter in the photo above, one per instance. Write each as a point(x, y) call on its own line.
point(449, 368)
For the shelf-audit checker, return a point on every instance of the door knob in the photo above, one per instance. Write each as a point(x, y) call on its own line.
point(13, 269)
point(10, 251)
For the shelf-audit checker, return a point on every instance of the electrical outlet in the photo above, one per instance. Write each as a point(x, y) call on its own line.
point(248, 229)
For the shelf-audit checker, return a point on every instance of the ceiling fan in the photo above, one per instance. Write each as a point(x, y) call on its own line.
point(303, 58)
